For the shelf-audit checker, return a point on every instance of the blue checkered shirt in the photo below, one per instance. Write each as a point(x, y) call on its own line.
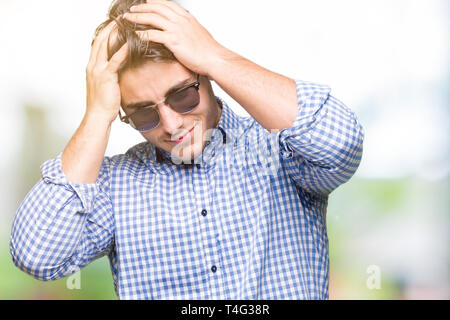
point(248, 221)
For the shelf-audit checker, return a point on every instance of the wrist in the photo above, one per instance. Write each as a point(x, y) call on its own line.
point(221, 63)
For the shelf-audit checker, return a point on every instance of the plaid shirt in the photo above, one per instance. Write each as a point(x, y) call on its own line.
point(247, 222)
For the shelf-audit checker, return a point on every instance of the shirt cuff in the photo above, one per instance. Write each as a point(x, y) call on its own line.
point(52, 173)
point(311, 98)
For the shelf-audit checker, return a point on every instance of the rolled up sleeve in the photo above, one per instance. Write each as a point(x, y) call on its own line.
point(60, 227)
point(323, 148)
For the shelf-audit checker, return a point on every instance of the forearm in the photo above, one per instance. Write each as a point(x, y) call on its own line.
point(83, 155)
point(268, 97)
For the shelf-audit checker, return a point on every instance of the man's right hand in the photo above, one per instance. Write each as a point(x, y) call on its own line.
point(83, 156)
point(102, 80)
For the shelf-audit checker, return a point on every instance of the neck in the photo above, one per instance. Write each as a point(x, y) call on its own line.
point(219, 114)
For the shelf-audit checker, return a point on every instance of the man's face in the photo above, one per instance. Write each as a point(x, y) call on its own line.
point(150, 83)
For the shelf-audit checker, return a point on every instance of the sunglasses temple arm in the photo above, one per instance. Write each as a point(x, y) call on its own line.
point(122, 118)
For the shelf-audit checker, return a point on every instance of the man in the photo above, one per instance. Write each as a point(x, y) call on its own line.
point(212, 206)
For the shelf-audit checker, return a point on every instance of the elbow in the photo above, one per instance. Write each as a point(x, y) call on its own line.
point(352, 152)
point(359, 140)
point(32, 264)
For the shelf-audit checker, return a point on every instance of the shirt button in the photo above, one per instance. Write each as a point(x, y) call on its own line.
point(213, 268)
point(204, 212)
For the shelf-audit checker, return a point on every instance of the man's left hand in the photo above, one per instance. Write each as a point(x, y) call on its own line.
point(180, 32)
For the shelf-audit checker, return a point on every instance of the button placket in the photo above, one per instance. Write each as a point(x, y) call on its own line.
point(207, 230)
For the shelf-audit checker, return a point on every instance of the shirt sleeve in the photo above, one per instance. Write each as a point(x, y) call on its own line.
point(60, 227)
point(323, 148)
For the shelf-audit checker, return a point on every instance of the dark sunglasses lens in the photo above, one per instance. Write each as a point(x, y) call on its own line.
point(145, 120)
point(182, 102)
point(185, 100)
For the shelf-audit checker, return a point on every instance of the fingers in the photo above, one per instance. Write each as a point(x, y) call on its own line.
point(153, 35)
point(150, 19)
point(158, 8)
point(118, 58)
point(98, 41)
point(102, 54)
point(172, 5)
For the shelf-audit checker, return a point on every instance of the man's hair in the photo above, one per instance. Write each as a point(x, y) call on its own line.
point(140, 51)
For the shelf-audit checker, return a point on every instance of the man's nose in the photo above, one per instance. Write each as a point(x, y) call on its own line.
point(171, 120)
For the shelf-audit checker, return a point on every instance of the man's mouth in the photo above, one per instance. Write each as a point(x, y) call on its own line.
point(184, 137)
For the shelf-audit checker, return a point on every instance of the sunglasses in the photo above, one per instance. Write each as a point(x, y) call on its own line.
point(182, 101)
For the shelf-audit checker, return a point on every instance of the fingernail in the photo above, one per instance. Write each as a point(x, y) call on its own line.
point(132, 8)
point(126, 15)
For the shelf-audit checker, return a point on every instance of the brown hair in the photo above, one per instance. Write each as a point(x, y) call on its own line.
point(140, 50)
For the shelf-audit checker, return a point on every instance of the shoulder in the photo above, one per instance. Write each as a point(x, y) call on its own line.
point(134, 157)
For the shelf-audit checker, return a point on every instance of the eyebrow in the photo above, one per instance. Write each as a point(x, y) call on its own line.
point(173, 89)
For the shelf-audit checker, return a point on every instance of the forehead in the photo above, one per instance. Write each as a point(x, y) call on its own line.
point(151, 81)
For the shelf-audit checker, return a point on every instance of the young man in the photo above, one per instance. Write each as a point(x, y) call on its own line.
point(213, 205)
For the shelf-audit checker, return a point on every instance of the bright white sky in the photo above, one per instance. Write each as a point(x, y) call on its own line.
point(387, 60)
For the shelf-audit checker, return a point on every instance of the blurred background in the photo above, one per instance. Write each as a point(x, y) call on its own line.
point(387, 60)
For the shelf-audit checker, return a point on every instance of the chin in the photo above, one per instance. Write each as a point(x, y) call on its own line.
point(186, 154)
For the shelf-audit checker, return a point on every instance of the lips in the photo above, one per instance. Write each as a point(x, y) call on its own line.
point(183, 137)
